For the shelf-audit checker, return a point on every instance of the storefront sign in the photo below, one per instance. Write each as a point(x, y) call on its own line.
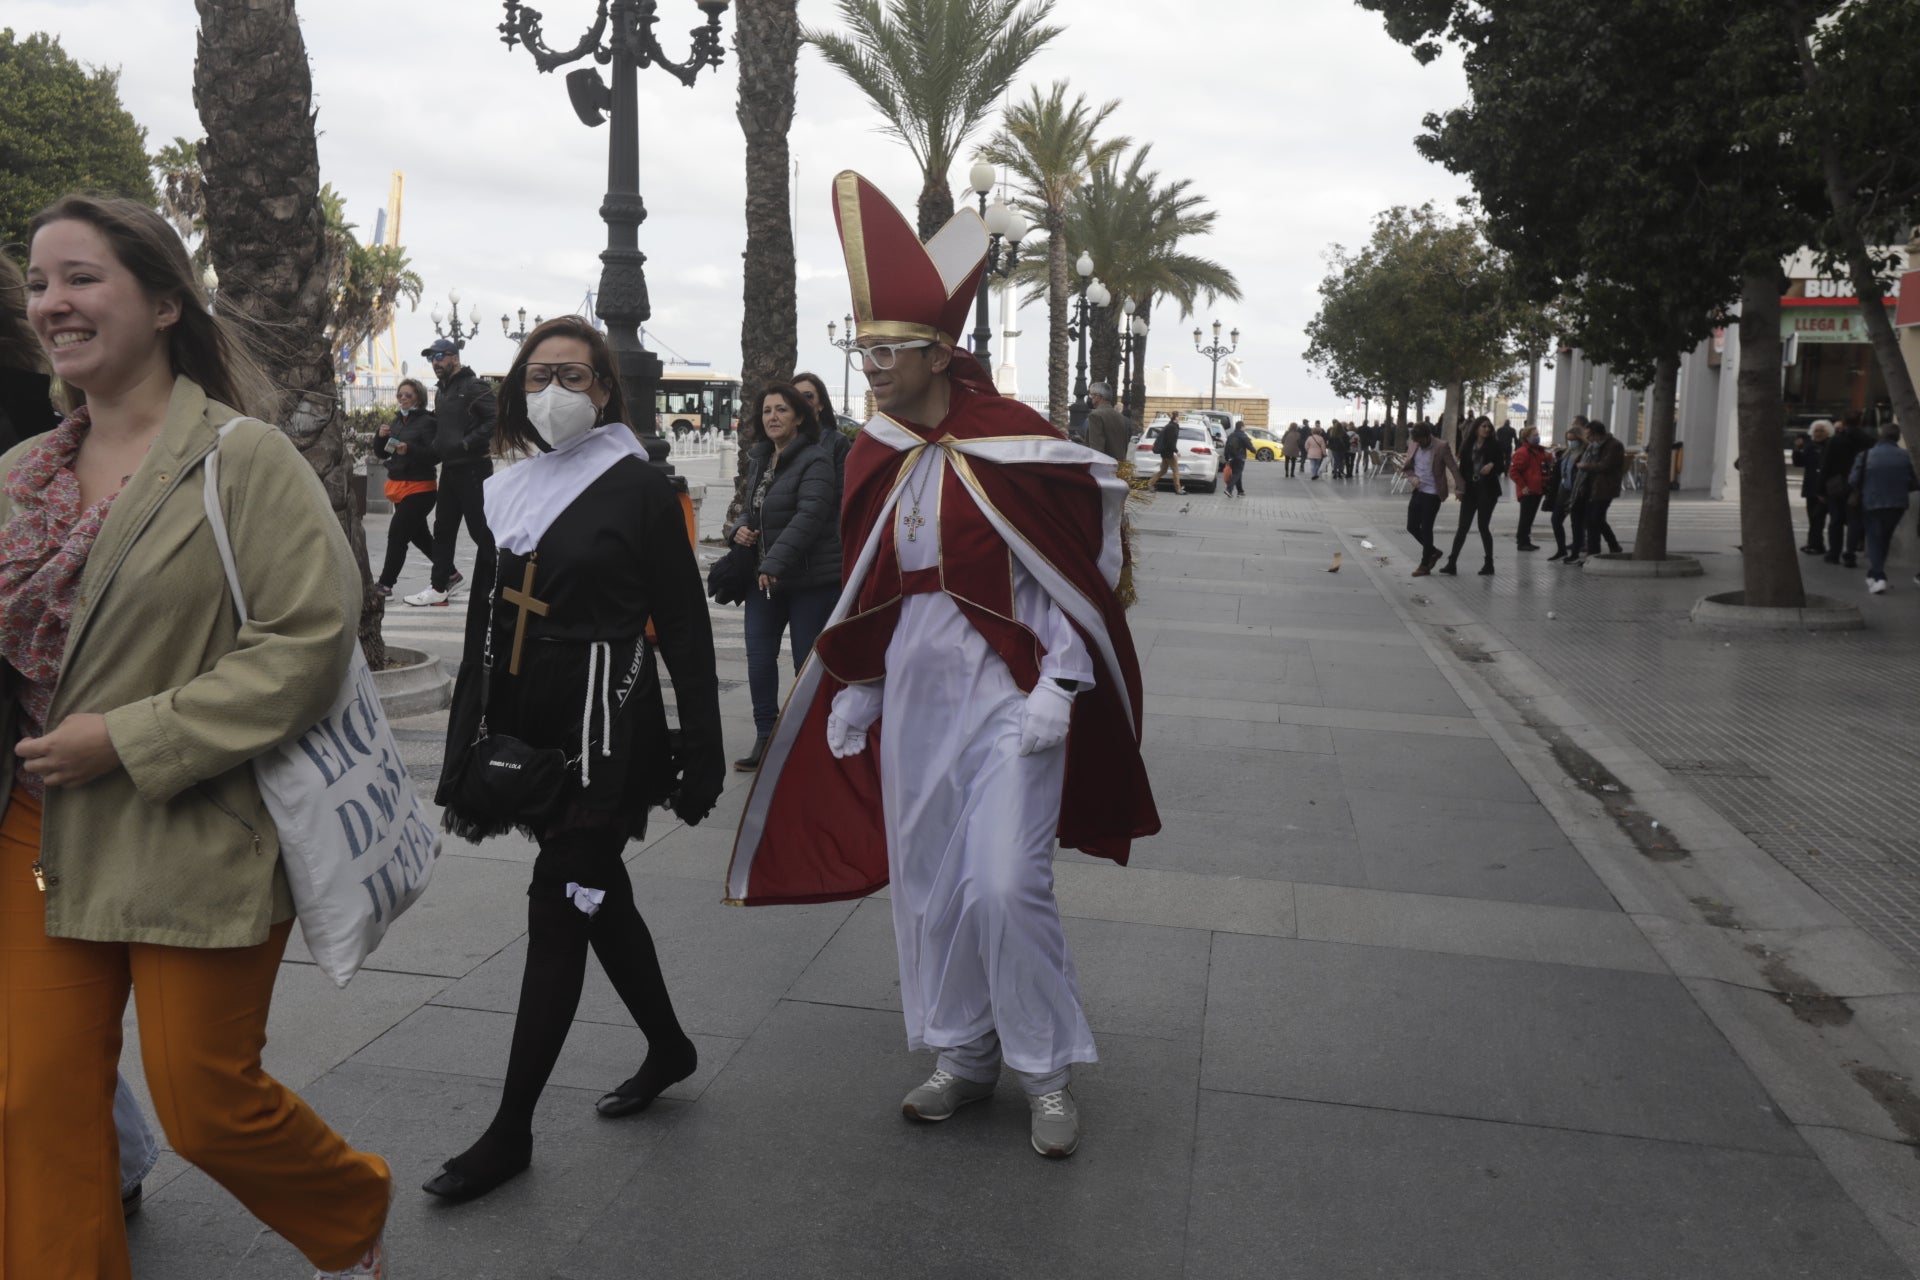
point(1829, 290)
point(1909, 312)
point(1835, 324)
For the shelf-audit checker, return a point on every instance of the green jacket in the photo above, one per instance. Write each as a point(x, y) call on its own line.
point(177, 847)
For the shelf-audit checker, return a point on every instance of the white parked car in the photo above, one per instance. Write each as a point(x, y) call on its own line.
point(1199, 457)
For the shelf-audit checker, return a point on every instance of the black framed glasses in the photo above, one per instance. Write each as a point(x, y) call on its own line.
point(573, 375)
point(882, 355)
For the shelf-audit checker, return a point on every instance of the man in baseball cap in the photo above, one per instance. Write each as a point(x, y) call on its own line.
point(463, 409)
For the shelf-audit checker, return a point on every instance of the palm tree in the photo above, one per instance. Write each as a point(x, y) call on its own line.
point(367, 281)
point(1134, 226)
point(934, 69)
point(266, 226)
point(1049, 147)
point(183, 193)
point(767, 43)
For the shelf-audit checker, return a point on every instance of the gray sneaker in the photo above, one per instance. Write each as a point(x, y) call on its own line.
point(943, 1094)
point(1056, 1123)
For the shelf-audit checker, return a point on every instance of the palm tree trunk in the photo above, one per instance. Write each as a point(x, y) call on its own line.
point(936, 204)
point(267, 232)
point(1057, 390)
point(1650, 542)
point(1137, 407)
point(1103, 360)
point(1768, 560)
point(767, 43)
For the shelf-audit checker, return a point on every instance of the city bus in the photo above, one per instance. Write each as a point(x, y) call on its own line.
point(690, 401)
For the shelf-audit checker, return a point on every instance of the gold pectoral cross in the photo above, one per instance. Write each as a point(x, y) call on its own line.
point(524, 601)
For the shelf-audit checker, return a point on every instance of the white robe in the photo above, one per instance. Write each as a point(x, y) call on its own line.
point(970, 822)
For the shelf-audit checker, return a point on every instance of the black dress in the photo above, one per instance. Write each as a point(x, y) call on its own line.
point(616, 559)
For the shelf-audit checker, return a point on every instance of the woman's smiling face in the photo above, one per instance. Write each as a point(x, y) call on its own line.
point(100, 328)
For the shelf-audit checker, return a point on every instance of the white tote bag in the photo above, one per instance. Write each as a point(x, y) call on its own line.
point(356, 845)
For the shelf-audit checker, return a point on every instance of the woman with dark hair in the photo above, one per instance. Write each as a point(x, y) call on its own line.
point(406, 446)
point(136, 852)
point(1482, 462)
point(26, 389)
point(793, 517)
point(1528, 471)
point(833, 442)
point(558, 727)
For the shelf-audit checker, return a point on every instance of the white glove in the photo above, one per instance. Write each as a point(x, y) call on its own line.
point(1049, 712)
point(855, 708)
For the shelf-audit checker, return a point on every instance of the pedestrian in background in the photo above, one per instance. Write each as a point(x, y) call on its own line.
point(137, 851)
point(1434, 473)
point(1239, 444)
point(1883, 477)
point(1340, 447)
point(1528, 471)
point(1167, 446)
point(1809, 453)
point(1602, 465)
point(1482, 464)
point(463, 437)
point(405, 445)
point(1845, 534)
point(1315, 449)
point(26, 388)
point(1292, 447)
point(1568, 533)
point(1108, 430)
point(793, 517)
point(833, 441)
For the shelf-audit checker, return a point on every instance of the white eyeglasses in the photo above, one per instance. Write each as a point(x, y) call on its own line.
point(882, 355)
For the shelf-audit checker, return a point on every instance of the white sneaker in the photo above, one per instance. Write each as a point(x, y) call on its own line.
point(427, 596)
point(1876, 586)
point(372, 1265)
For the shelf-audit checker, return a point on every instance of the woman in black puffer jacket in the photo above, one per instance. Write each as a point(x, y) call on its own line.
point(1483, 460)
point(406, 446)
point(793, 517)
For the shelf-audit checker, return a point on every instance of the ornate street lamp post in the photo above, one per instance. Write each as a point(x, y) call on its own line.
point(1215, 353)
point(621, 35)
point(518, 336)
point(1003, 224)
point(455, 330)
point(845, 345)
point(1092, 296)
point(1133, 330)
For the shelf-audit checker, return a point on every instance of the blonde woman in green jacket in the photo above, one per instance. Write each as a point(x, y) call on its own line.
point(135, 850)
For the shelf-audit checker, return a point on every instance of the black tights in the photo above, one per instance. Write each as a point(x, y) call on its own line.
point(558, 936)
point(1474, 508)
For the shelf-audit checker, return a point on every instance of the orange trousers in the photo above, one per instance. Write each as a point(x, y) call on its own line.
point(203, 1022)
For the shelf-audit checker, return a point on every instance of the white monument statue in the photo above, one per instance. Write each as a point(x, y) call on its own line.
point(1234, 375)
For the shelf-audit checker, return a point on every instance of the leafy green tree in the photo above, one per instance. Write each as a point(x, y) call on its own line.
point(1049, 146)
point(934, 69)
point(182, 189)
point(62, 129)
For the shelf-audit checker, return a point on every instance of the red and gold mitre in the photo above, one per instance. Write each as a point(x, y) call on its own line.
point(902, 289)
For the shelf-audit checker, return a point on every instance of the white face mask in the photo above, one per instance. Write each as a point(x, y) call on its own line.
point(562, 417)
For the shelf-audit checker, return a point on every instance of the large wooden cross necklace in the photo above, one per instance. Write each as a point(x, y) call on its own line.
point(524, 601)
point(912, 520)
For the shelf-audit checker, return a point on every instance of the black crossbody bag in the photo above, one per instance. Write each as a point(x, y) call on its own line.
point(507, 779)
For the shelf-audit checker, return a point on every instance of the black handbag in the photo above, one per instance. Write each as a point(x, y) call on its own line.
point(505, 779)
point(732, 576)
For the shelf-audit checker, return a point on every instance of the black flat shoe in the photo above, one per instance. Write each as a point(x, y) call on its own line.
point(463, 1178)
point(1528, 546)
point(1448, 569)
point(751, 761)
point(1558, 555)
point(1486, 570)
point(648, 1083)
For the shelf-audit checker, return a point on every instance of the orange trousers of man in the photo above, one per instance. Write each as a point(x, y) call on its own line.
point(203, 1023)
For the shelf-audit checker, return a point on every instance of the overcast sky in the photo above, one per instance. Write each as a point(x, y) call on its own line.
point(1295, 117)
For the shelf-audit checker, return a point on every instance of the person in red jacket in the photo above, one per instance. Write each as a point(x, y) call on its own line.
point(1528, 471)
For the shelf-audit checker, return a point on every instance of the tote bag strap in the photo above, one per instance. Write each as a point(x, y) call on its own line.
point(217, 521)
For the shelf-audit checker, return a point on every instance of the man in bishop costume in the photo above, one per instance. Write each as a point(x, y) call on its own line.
point(975, 697)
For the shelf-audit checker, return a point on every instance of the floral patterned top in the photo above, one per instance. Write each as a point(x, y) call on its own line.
point(43, 550)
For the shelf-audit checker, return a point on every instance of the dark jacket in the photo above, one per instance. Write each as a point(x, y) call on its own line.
point(799, 520)
point(1476, 453)
point(834, 443)
point(1884, 476)
point(1836, 463)
point(463, 409)
point(1808, 456)
point(1606, 460)
point(1238, 443)
point(26, 406)
point(415, 429)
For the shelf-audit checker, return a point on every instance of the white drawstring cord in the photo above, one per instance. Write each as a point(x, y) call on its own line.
point(600, 665)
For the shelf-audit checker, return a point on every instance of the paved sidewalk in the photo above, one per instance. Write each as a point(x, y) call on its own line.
point(1390, 996)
